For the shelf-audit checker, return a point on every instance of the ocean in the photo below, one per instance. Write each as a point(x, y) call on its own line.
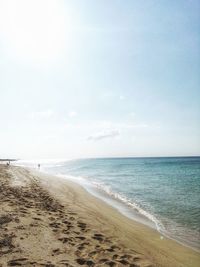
point(163, 193)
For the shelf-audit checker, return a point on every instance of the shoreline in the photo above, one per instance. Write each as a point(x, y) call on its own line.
point(129, 211)
point(120, 238)
point(136, 216)
point(112, 201)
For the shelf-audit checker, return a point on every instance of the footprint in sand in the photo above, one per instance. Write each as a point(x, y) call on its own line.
point(36, 218)
point(82, 226)
point(81, 261)
point(65, 240)
point(98, 237)
point(17, 262)
point(54, 225)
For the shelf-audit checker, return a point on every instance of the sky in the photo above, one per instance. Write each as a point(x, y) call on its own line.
point(101, 78)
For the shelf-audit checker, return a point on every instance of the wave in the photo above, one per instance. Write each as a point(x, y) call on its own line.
point(96, 187)
point(92, 186)
point(108, 192)
point(129, 203)
point(128, 207)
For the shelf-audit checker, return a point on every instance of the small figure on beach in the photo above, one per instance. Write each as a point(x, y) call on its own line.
point(38, 166)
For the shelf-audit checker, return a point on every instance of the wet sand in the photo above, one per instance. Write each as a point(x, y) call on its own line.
point(48, 221)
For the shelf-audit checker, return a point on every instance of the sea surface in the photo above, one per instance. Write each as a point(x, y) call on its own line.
point(163, 193)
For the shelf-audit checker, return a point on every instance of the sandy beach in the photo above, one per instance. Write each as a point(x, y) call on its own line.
point(48, 221)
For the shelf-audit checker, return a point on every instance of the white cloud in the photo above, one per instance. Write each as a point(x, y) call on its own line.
point(72, 114)
point(132, 125)
point(45, 114)
point(104, 135)
point(119, 125)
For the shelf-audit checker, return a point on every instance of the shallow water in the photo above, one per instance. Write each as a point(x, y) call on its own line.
point(160, 192)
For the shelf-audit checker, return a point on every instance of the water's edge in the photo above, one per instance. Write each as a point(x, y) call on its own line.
point(125, 210)
point(124, 206)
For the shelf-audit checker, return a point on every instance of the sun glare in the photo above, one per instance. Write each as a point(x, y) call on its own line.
point(34, 30)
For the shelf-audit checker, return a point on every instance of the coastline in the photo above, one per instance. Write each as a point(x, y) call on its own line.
point(130, 211)
point(121, 240)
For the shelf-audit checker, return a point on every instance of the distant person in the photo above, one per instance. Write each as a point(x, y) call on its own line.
point(38, 166)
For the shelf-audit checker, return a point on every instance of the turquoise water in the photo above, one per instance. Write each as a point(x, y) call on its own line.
point(166, 191)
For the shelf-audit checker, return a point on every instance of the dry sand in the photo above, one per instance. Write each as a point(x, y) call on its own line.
point(47, 221)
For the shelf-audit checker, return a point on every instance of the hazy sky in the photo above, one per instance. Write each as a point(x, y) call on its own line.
point(99, 78)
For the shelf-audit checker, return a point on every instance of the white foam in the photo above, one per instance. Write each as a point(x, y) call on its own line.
point(129, 203)
point(92, 185)
point(125, 205)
